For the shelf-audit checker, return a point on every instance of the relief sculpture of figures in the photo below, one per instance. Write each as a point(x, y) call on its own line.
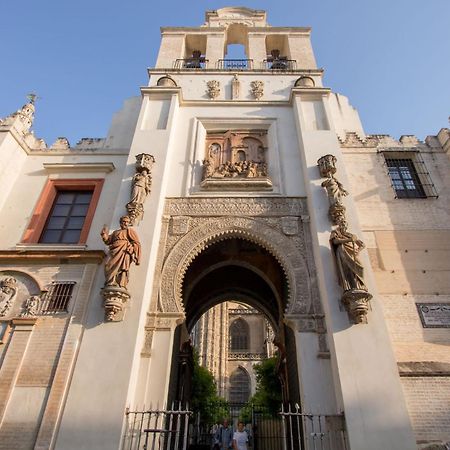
point(124, 249)
point(8, 289)
point(345, 245)
point(140, 187)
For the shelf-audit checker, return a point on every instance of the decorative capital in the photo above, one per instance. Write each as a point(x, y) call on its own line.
point(144, 161)
point(356, 302)
point(114, 301)
point(327, 165)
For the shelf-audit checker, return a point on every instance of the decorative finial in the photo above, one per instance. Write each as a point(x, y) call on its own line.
point(32, 97)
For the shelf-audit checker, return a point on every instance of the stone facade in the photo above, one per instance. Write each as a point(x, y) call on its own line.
point(259, 235)
point(211, 337)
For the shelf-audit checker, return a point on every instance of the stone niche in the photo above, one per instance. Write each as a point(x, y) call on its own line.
point(236, 160)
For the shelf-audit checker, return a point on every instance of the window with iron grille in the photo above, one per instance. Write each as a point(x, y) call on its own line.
point(239, 386)
point(67, 217)
point(58, 296)
point(408, 174)
point(239, 335)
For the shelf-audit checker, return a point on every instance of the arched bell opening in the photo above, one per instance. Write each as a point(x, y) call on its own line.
point(240, 270)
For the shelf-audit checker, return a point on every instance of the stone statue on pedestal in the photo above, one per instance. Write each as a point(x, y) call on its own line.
point(140, 187)
point(345, 245)
point(124, 249)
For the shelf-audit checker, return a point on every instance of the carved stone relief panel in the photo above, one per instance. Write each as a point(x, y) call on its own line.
point(272, 223)
point(19, 294)
point(238, 156)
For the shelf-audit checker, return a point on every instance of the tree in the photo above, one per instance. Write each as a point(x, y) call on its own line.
point(205, 400)
point(268, 386)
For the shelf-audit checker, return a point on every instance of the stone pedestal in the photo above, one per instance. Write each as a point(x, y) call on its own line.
point(114, 300)
point(356, 304)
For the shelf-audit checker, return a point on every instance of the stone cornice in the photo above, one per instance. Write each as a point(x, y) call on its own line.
point(423, 369)
point(75, 256)
point(211, 30)
point(80, 167)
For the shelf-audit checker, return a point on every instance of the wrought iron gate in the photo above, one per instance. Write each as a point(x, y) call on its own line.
point(179, 428)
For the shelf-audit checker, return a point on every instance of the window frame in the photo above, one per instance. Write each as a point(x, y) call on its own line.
point(407, 173)
point(236, 384)
point(46, 201)
point(420, 176)
point(239, 333)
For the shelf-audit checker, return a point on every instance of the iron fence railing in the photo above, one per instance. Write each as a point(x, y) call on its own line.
point(315, 431)
point(191, 63)
point(157, 429)
point(179, 428)
point(280, 64)
point(235, 64)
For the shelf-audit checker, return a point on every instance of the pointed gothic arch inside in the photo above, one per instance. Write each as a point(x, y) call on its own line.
point(239, 335)
point(239, 390)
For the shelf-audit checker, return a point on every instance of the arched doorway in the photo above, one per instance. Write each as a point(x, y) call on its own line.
point(238, 268)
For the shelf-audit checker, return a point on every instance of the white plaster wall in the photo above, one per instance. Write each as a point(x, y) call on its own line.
point(372, 397)
point(172, 48)
point(11, 162)
point(345, 116)
point(95, 408)
point(185, 171)
point(123, 124)
point(31, 178)
point(276, 87)
point(317, 387)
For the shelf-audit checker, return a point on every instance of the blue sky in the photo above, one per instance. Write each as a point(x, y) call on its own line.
point(391, 58)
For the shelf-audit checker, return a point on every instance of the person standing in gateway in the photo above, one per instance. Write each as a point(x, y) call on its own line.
point(224, 437)
point(240, 438)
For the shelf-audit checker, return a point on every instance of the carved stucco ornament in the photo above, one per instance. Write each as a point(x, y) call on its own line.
point(140, 187)
point(8, 290)
point(257, 89)
point(213, 88)
point(124, 249)
point(235, 87)
point(345, 245)
point(31, 306)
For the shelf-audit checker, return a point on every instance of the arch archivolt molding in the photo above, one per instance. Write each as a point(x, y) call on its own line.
point(279, 225)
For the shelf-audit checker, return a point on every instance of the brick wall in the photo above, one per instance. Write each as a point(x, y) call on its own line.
point(408, 241)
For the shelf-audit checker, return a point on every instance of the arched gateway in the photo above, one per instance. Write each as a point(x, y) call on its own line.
point(254, 250)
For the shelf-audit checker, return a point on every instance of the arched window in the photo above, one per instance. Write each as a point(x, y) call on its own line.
point(239, 336)
point(239, 386)
point(241, 156)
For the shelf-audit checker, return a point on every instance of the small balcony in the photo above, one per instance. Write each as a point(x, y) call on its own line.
point(279, 64)
point(201, 63)
point(235, 64)
point(191, 63)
